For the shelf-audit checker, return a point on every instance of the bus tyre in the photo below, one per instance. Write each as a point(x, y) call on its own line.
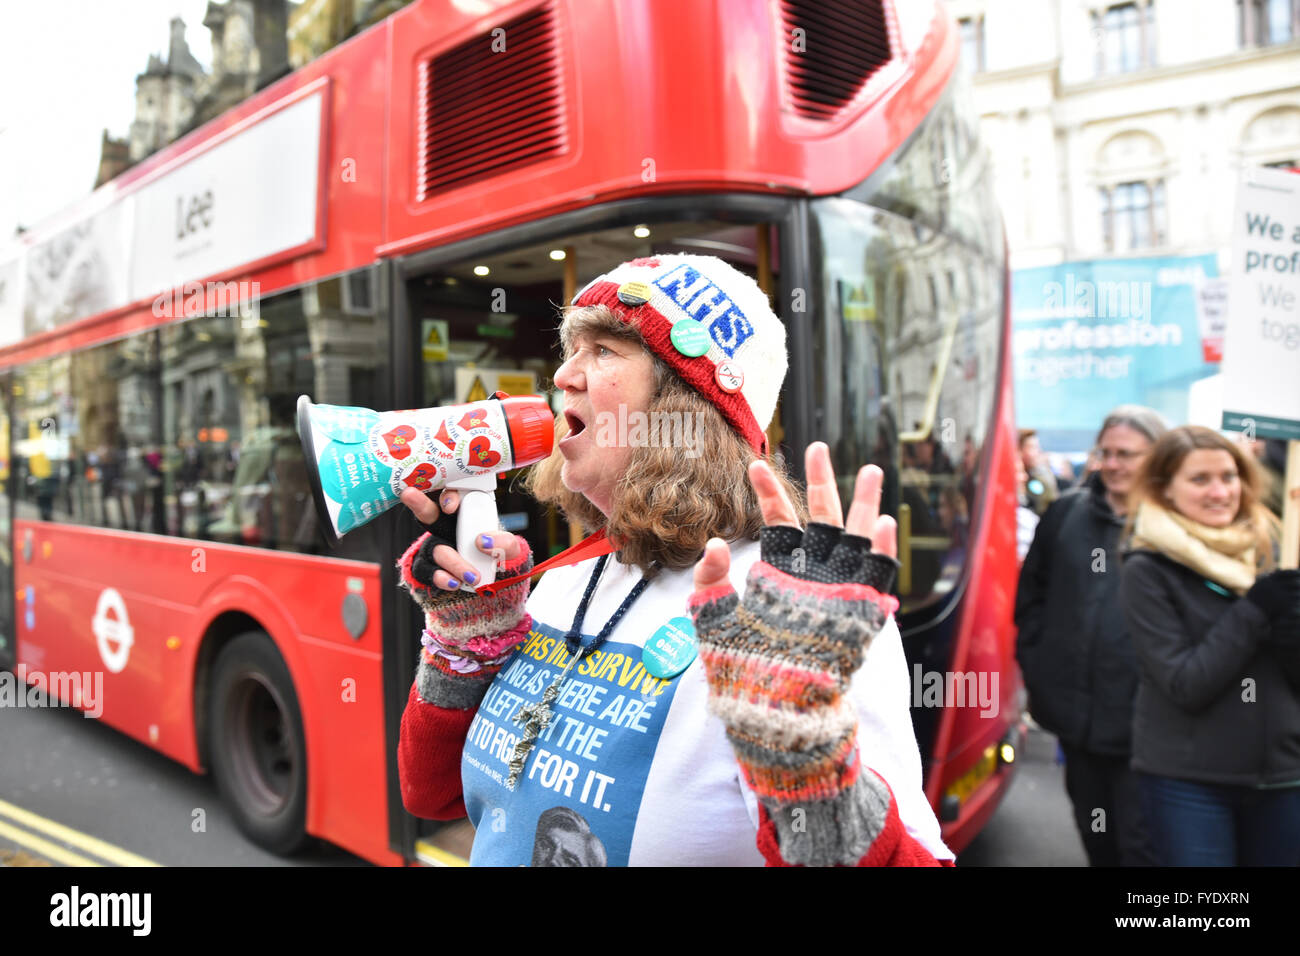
point(259, 752)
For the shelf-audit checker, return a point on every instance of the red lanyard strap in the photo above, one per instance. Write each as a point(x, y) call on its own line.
point(592, 546)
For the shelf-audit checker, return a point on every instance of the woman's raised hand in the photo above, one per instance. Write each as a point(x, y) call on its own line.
point(864, 520)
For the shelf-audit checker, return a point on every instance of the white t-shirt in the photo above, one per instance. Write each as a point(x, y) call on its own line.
point(633, 770)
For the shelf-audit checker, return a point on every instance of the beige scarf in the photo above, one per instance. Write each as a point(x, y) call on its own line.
point(1224, 555)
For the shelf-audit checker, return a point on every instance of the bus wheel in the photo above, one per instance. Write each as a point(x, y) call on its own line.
point(259, 752)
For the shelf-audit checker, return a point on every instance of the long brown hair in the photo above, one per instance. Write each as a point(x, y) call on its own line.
point(1166, 457)
point(668, 503)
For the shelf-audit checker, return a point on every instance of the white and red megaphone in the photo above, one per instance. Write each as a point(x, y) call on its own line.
point(360, 460)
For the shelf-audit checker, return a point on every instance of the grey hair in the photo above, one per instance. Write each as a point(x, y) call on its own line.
point(1148, 421)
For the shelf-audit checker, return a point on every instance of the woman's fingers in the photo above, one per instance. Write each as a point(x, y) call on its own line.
point(865, 508)
point(423, 507)
point(772, 501)
point(884, 540)
point(420, 505)
point(502, 545)
point(823, 495)
point(713, 569)
point(456, 571)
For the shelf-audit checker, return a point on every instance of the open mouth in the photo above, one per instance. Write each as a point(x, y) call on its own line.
point(576, 425)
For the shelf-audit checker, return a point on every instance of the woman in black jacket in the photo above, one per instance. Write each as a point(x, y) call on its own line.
point(1074, 651)
point(1216, 734)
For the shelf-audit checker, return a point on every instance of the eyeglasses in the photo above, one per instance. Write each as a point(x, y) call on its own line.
point(1120, 454)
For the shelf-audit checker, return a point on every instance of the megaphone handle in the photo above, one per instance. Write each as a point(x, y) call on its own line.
point(477, 515)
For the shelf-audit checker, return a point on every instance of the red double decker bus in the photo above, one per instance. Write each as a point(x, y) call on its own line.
point(390, 226)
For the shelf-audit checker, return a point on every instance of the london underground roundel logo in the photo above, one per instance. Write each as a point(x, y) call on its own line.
point(112, 630)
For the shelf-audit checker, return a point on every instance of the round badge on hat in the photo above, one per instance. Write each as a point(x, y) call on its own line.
point(729, 376)
point(634, 293)
point(690, 338)
point(670, 650)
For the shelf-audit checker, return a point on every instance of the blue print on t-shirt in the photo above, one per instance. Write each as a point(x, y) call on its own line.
point(576, 803)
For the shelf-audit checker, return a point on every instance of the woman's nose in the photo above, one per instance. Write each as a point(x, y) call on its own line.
point(568, 376)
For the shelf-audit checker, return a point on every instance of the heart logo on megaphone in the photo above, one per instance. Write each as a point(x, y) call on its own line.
point(474, 418)
point(444, 436)
point(421, 477)
point(481, 454)
point(399, 441)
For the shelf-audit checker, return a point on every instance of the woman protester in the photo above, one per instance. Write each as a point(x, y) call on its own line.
point(1216, 735)
point(1074, 649)
point(576, 724)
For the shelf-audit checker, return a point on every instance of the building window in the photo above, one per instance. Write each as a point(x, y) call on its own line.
point(1266, 22)
point(1125, 37)
point(1133, 215)
point(972, 43)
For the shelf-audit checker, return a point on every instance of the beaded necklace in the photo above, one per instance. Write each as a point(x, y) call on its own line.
point(534, 718)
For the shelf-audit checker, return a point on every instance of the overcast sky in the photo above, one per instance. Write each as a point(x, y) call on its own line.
point(67, 72)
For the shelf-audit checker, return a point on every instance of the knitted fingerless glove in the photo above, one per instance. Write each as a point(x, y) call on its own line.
point(779, 664)
point(467, 637)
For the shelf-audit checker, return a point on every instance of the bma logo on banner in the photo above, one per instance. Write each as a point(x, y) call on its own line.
point(707, 304)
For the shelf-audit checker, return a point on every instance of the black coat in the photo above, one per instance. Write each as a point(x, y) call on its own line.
point(1079, 665)
point(1195, 717)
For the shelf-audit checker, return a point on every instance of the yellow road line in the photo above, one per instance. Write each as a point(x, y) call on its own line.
point(433, 855)
point(44, 847)
point(83, 841)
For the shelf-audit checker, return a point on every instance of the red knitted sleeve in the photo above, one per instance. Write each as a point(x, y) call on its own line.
point(428, 758)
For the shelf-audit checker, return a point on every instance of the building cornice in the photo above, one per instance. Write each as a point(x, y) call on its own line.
point(1281, 51)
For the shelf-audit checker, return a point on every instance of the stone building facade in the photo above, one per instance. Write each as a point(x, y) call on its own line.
point(1119, 128)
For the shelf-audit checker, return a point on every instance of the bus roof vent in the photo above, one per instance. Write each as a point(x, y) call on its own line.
point(832, 47)
point(490, 103)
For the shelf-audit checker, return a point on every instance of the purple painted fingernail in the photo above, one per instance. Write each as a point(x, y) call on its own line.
point(485, 541)
point(453, 583)
point(470, 577)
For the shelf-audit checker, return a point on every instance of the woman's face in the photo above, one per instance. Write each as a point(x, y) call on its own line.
point(605, 381)
point(1120, 452)
point(1207, 488)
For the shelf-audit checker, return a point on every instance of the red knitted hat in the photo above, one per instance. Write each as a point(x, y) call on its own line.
point(710, 324)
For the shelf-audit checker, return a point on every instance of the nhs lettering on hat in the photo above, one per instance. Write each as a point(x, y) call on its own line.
point(707, 304)
point(711, 324)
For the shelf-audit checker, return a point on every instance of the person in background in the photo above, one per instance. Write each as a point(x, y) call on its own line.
point(1042, 483)
point(1078, 662)
point(1062, 471)
point(1026, 520)
point(1216, 732)
point(1270, 455)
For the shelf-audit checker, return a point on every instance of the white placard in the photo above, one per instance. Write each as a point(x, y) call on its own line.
point(248, 198)
point(1261, 350)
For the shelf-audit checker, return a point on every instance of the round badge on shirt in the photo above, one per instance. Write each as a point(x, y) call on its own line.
point(670, 650)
